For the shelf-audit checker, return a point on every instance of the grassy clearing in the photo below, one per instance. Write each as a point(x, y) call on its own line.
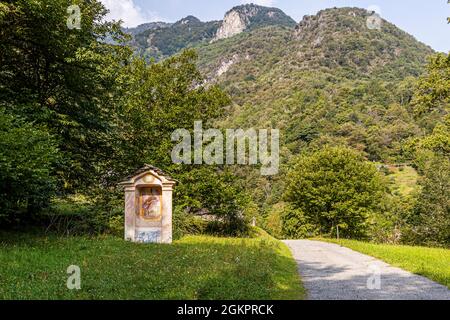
point(404, 179)
point(433, 263)
point(195, 267)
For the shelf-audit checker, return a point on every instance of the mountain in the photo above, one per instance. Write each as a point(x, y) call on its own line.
point(335, 40)
point(328, 80)
point(249, 17)
point(165, 40)
point(341, 38)
point(146, 26)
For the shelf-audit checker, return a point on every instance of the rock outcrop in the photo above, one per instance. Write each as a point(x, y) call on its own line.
point(236, 21)
point(245, 17)
point(226, 65)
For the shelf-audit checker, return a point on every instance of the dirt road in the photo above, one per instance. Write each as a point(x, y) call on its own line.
point(331, 272)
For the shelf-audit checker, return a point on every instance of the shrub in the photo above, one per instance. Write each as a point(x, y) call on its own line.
point(274, 221)
point(185, 223)
point(213, 192)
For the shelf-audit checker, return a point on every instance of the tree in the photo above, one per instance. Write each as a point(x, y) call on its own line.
point(335, 187)
point(433, 90)
point(296, 225)
point(63, 79)
point(158, 98)
point(431, 219)
point(214, 192)
point(429, 222)
point(108, 111)
point(27, 159)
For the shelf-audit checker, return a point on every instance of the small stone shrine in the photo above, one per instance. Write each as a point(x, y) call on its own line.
point(148, 206)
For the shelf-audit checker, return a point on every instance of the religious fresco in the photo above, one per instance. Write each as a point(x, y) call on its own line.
point(150, 203)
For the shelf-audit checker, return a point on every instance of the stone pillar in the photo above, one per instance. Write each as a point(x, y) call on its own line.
point(130, 213)
point(166, 223)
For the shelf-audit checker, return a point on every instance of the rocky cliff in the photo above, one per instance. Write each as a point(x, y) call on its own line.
point(161, 40)
point(247, 17)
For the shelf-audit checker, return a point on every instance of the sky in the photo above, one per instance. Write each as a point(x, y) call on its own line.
point(426, 20)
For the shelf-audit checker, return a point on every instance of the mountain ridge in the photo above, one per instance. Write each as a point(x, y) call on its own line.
point(159, 42)
point(300, 78)
point(334, 38)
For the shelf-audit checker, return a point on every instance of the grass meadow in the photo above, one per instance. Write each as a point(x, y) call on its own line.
point(194, 267)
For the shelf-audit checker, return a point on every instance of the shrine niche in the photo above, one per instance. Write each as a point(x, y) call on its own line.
point(150, 203)
point(148, 206)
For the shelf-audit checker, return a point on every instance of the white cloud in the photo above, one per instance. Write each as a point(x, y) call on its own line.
point(127, 11)
point(265, 3)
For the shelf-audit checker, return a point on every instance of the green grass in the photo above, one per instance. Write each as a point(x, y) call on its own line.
point(195, 267)
point(404, 179)
point(433, 263)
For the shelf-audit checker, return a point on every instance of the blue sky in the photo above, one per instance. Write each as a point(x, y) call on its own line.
point(426, 20)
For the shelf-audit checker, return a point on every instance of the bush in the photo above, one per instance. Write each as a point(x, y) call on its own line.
point(185, 223)
point(210, 191)
point(80, 215)
point(274, 221)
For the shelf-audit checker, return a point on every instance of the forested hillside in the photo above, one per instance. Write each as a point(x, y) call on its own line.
point(330, 82)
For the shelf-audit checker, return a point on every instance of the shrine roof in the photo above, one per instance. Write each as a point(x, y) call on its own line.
point(147, 168)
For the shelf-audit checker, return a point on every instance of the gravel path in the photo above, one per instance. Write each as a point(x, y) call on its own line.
point(332, 272)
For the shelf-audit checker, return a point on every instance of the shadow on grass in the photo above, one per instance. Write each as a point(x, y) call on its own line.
point(34, 267)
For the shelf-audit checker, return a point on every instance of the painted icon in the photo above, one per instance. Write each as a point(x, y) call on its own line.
point(151, 203)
